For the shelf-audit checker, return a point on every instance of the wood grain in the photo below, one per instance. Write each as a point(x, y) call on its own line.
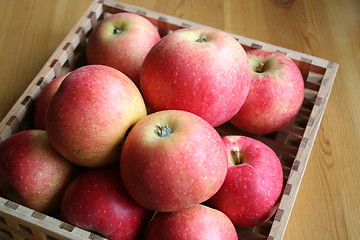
point(328, 203)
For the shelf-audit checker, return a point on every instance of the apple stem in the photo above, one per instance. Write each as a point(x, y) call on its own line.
point(117, 30)
point(259, 67)
point(163, 131)
point(237, 157)
point(201, 39)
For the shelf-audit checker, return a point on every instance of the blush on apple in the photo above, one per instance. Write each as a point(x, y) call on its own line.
point(275, 96)
point(43, 100)
point(122, 41)
point(32, 172)
point(203, 71)
point(172, 160)
point(90, 114)
point(198, 222)
point(97, 201)
point(253, 184)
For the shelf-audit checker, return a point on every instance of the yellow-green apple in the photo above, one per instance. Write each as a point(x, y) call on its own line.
point(122, 41)
point(253, 184)
point(90, 114)
point(96, 200)
point(32, 172)
point(276, 93)
point(43, 100)
point(203, 71)
point(194, 223)
point(172, 160)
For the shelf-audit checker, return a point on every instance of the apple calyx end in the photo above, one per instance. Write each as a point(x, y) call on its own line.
point(163, 131)
point(201, 39)
point(117, 30)
point(236, 157)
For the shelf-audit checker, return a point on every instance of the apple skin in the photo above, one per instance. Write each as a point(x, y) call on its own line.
point(96, 200)
point(194, 223)
point(43, 100)
point(275, 96)
point(124, 51)
point(90, 114)
point(253, 187)
point(32, 172)
point(210, 79)
point(174, 171)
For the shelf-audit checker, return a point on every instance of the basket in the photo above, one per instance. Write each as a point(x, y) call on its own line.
point(293, 144)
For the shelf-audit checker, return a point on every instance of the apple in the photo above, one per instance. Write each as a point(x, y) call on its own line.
point(203, 71)
point(32, 172)
point(253, 184)
point(91, 112)
point(172, 160)
point(43, 100)
point(96, 200)
point(122, 41)
point(275, 96)
point(194, 223)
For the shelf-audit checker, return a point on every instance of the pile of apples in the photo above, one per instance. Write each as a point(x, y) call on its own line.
point(126, 146)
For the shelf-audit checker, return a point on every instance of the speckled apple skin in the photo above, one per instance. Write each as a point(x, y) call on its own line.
point(125, 51)
point(174, 172)
point(195, 223)
point(97, 201)
point(251, 190)
point(210, 79)
point(275, 96)
point(43, 100)
point(32, 172)
point(90, 113)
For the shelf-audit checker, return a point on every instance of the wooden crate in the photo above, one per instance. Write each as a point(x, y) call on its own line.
point(293, 144)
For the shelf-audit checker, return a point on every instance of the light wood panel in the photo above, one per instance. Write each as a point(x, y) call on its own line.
point(327, 205)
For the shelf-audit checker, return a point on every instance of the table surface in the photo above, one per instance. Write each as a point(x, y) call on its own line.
point(328, 203)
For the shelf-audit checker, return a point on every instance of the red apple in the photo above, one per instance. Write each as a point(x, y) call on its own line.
point(253, 184)
point(32, 173)
point(43, 100)
point(276, 93)
point(90, 114)
point(122, 41)
point(172, 160)
point(97, 201)
point(203, 71)
point(194, 223)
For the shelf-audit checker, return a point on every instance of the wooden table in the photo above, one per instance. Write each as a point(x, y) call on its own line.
point(328, 203)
